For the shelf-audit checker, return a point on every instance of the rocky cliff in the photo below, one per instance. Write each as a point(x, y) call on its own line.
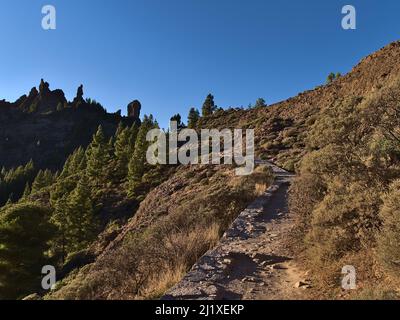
point(45, 127)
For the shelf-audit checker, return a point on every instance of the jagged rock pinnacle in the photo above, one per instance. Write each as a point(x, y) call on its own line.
point(44, 88)
point(134, 109)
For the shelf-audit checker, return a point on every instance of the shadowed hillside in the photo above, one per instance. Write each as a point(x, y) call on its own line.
point(45, 127)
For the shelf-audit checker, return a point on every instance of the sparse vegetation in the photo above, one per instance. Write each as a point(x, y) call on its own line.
point(332, 77)
point(345, 195)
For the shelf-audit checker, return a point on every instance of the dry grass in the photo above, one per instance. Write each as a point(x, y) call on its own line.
point(159, 284)
point(176, 224)
point(178, 245)
point(261, 188)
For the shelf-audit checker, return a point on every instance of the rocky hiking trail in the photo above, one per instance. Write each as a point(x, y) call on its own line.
point(251, 261)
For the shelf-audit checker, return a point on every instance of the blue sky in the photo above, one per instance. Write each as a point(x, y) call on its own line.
point(170, 54)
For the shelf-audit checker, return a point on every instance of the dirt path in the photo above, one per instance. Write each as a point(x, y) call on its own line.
point(252, 260)
point(274, 274)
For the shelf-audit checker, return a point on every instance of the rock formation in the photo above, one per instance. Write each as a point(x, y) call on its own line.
point(34, 117)
point(134, 109)
point(44, 88)
point(79, 97)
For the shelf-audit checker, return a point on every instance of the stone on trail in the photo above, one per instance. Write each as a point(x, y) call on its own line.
point(278, 266)
point(303, 285)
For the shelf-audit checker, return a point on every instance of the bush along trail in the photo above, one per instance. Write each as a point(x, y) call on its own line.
point(252, 260)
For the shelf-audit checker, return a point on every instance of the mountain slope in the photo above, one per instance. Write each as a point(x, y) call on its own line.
point(280, 129)
point(282, 133)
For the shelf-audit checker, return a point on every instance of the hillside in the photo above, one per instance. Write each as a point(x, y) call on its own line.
point(281, 128)
point(154, 222)
point(281, 134)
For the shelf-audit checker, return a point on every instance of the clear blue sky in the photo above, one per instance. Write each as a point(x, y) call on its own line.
point(170, 54)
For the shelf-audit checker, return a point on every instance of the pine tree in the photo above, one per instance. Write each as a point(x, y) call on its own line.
point(9, 201)
point(260, 103)
point(120, 128)
point(13, 181)
point(110, 148)
point(97, 156)
point(80, 216)
point(39, 182)
point(66, 170)
point(60, 219)
point(178, 119)
point(48, 178)
point(331, 78)
point(27, 191)
point(193, 118)
point(75, 163)
point(25, 232)
point(208, 106)
point(74, 217)
point(137, 163)
point(42, 180)
point(78, 161)
point(122, 154)
point(29, 167)
point(133, 132)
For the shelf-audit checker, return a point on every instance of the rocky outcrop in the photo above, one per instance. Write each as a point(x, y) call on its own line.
point(35, 127)
point(44, 88)
point(33, 93)
point(134, 109)
point(78, 100)
point(41, 101)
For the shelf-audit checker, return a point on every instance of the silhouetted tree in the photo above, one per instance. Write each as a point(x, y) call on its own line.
point(193, 118)
point(178, 119)
point(260, 103)
point(208, 106)
point(332, 77)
